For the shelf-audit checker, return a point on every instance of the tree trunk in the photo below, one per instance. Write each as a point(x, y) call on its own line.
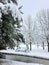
point(43, 45)
point(48, 47)
point(30, 46)
point(17, 45)
point(27, 46)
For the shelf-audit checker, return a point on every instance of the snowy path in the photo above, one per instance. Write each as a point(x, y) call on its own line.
point(8, 62)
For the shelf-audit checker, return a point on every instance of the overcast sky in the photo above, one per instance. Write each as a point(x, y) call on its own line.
point(33, 6)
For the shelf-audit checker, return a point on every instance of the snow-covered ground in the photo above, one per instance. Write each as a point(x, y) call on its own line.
point(9, 62)
point(37, 52)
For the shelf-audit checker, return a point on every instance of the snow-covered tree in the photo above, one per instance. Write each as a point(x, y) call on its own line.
point(43, 19)
point(10, 23)
point(27, 30)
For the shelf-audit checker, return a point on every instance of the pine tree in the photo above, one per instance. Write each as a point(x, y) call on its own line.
point(9, 29)
point(14, 1)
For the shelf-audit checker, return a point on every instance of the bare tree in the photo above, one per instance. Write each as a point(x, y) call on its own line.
point(27, 30)
point(43, 19)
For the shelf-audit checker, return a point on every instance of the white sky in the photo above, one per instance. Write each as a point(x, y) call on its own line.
point(33, 6)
